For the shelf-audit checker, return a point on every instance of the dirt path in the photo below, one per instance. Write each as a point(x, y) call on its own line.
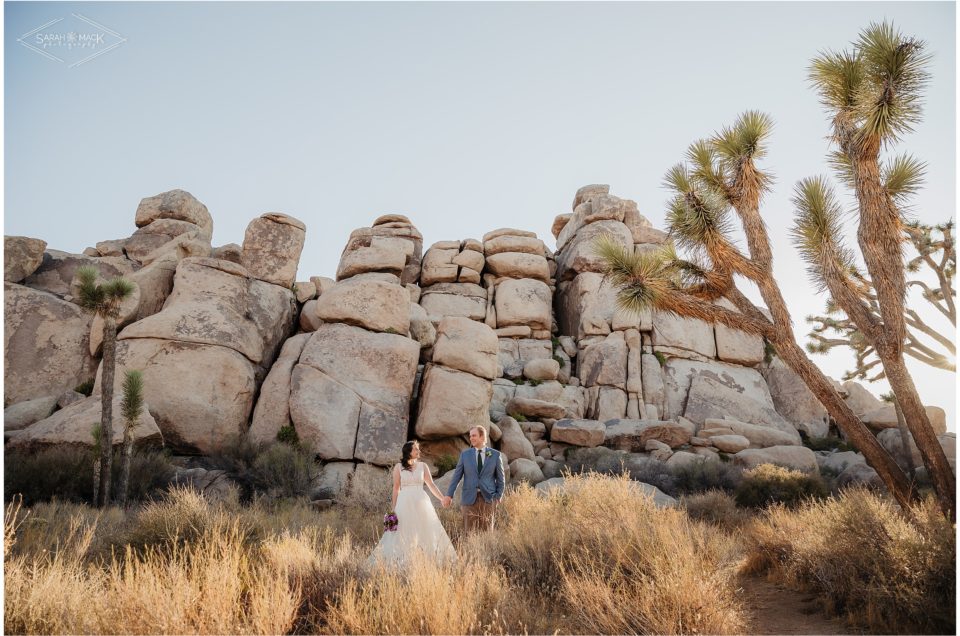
point(775, 609)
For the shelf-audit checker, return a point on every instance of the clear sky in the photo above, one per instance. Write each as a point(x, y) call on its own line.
point(464, 116)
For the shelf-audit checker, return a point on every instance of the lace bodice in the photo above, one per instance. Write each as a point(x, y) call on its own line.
point(412, 477)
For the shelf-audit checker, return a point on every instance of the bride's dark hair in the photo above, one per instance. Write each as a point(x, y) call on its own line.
point(405, 462)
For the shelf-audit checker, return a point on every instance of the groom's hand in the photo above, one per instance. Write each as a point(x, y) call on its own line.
point(446, 501)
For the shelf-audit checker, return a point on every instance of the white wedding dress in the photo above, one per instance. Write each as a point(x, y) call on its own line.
point(419, 531)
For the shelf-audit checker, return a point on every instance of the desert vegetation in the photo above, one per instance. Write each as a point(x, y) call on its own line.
point(597, 556)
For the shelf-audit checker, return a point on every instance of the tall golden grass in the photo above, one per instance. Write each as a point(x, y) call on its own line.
point(864, 559)
point(596, 557)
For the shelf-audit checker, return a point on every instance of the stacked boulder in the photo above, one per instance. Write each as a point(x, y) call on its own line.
point(450, 281)
point(345, 383)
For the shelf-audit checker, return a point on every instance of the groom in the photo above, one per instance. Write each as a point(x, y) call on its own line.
point(481, 469)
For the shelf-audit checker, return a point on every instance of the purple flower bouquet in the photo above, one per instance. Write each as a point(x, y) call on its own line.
point(390, 522)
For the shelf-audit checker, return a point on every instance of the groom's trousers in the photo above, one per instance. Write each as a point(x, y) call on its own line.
point(479, 515)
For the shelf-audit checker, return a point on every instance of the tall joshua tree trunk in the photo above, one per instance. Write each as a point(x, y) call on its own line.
point(106, 401)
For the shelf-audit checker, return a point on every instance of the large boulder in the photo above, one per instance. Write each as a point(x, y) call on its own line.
point(272, 411)
point(532, 407)
point(467, 345)
point(371, 304)
point(375, 258)
point(200, 395)
point(701, 390)
point(605, 363)
point(584, 300)
point(46, 344)
point(151, 237)
point(518, 265)
point(21, 257)
point(23, 414)
point(886, 417)
point(525, 470)
point(735, 346)
point(588, 433)
point(58, 271)
point(452, 402)
point(759, 436)
point(674, 335)
point(860, 399)
point(215, 302)
point(74, 425)
point(379, 367)
point(513, 443)
point(794, 457)
point(523, 302)
point(175, 204)
point(579, 255)
point(632, 435)
point(272, 246)
point(794, 401)
point(454, 299)
point(324, 412)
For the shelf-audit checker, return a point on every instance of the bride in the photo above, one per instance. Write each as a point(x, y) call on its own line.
point(418, 527)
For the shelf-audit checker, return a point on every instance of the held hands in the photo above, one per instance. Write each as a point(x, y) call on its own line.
point(446, 501)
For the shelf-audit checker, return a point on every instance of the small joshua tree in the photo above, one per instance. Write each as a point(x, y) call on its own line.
point(131, 407)
point(103, 299)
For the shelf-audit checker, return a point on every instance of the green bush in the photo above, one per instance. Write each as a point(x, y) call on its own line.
point(520, 417)
point(768, 484)
point(279, 470)
point(707, 475)
point(445, 463)
point(828, 444)
point(284, 470)
point(716, 507)
point(288, 435)
point(85, 387)
point(66, 473)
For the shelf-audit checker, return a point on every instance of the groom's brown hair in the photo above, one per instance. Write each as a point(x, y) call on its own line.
point(483, 432)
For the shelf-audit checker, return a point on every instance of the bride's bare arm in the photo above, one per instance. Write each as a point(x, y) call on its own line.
point(428, 480)
point(396, 486)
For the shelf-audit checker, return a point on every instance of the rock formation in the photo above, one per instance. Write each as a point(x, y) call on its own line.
point(404, 343)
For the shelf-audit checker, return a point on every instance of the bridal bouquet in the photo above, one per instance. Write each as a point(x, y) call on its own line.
point(390, 522)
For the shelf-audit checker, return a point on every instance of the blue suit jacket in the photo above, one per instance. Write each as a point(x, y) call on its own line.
point(490, 483)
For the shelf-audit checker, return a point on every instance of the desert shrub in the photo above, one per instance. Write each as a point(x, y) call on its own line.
point(445, 463)
point(865, 559)
point(623, 565)
point(66, 472)
point(827, 444)
point(520, 417)
point(276, 470)
point(85, 387)
point(288, 435)
point(705, 476)
point(284, 470)
point(767, 484)
point(716, 507)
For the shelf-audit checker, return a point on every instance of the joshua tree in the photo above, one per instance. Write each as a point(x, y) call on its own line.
point(873, 96)
point(924, 342)
point(132, 407)
point(721, 175)
point(103, 299)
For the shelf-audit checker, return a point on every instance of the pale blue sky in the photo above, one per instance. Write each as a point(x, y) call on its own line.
point(464, 116)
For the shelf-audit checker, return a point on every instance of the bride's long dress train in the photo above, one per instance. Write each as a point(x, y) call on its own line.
point(419, 531)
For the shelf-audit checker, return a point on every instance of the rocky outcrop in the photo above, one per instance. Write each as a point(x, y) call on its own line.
point(21, 257)
point(74, 425)
point(271, 248)
point(46, 344)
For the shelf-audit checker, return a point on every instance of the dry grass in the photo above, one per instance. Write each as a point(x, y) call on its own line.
point(596, 558)
point(864, 559)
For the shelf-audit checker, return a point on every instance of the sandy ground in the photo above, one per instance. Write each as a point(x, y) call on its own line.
point(775, 609)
